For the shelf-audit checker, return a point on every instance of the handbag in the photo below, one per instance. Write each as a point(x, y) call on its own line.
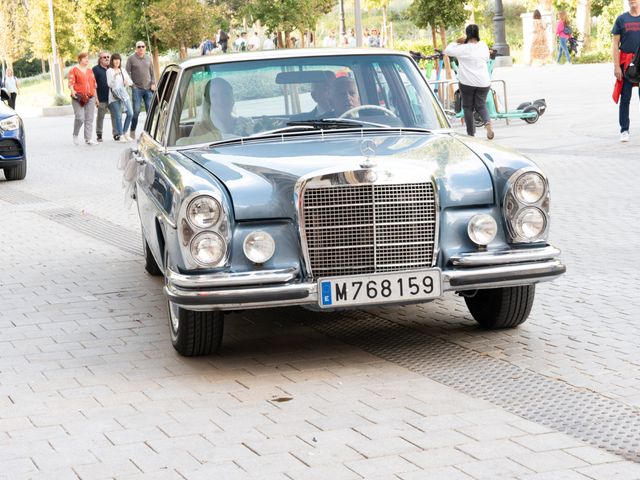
point(632, 73)
point(120, 93)
point(567, 30)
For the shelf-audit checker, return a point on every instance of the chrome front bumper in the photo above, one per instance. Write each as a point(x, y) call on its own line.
point(278, 288)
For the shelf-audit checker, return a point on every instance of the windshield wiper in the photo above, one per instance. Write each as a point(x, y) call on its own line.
point(329, 123)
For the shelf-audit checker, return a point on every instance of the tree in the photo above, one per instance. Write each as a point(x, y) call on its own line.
point(180, 25)
point(98, 24)
point(439, 15)
point(13, 25)
point(67, 26)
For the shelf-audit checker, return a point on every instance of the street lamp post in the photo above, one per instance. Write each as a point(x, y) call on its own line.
point(358, 13)
point(501, 45)
point(55, 67)
point(343, 28)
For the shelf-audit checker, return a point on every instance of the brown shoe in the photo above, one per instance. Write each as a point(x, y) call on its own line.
point(489, 128)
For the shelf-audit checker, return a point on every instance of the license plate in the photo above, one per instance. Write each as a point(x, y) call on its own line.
point(379, 288)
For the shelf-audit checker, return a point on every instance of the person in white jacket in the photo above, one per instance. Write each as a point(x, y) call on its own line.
point(119, 101)
point(473, 75)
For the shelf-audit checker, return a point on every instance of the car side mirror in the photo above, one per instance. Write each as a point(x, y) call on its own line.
point(4, 95)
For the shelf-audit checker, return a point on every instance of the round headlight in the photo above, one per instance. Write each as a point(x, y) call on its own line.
point(208, 248)
point(529, 188)
point(259, 246)
point(482, 229)
point(530, 223)
point(204, 212)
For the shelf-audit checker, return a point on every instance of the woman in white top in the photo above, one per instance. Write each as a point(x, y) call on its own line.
point(11, 86)
point(473, 75)
point(118, 80)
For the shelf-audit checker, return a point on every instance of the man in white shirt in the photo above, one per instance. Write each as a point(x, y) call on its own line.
point(330, 40)
point(268, 44)
point(254, 42)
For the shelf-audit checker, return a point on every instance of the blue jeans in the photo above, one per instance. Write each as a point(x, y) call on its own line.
point(625, 99)
point(563, 48)
point(140, 94)
point(116, 113)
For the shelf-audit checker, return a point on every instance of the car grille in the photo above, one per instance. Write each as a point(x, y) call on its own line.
point(362, 229)
point(10, 148)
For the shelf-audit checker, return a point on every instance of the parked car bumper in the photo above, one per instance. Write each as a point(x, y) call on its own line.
point(279, 288)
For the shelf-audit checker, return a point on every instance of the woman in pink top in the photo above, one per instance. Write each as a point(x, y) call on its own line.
point(563, 37)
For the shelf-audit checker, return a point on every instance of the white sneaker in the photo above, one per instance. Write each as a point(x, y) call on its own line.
point(76, 141)
point(127, 138)
point(123, 139)
point(91, 142)
point(624, 136)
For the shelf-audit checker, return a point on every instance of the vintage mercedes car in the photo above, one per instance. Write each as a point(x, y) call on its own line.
point(13, 157)
point(329, 179)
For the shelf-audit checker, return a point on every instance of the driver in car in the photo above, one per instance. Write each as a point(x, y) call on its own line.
point(344, 96)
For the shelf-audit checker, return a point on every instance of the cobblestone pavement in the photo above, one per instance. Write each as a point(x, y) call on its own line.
point(90, 387)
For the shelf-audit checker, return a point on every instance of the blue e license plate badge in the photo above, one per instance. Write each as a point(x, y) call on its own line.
point(380, 288)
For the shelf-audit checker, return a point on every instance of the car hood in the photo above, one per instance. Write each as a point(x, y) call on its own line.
point(261, 175)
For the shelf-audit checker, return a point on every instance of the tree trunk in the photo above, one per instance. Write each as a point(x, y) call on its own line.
point(447, 64)
point(583, 20)
point(156, 58)
point(43, 65)
point(280, 38)
point(183, 51)
point(287, 39)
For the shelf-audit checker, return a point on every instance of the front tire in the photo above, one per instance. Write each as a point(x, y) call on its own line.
point(150, 264)
point(17, 172)
point(195, 333)
point(499, 308)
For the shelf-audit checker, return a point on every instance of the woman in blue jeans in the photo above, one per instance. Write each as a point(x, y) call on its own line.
point(118, 80)
point(563, 37)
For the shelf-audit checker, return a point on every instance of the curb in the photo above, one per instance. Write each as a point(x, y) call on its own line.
point(57, 111)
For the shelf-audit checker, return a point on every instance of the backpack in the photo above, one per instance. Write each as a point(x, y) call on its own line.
point(567, 30)
point(632, 73)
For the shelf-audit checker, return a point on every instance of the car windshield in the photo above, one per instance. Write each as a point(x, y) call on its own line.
point(247, 98)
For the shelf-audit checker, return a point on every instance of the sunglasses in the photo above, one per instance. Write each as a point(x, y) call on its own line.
point(106, 58)
point(140, 46)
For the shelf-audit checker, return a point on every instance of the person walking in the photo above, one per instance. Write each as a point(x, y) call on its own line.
point(625, 44)
point(82, 85)
point(539, 45)
point(374, 38)
point(140, 69)
point(563, 32)
point(102, 104)
point(119, 101)
point(473, 74)
point(222, 39)
point(10, 84)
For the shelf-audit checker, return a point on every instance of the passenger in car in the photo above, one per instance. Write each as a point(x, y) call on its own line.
point(321, 94)
point(218, 120)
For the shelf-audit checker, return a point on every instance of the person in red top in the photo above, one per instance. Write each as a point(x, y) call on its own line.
point(82, 85)
point(563, 37)
point(626, 42)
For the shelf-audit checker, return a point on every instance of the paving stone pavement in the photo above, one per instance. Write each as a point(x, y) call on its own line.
point(90, 387)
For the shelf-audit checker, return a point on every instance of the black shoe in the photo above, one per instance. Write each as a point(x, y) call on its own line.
point(99, 137)
point(116, 137)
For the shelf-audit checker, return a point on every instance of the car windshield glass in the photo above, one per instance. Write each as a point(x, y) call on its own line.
point(222, 101)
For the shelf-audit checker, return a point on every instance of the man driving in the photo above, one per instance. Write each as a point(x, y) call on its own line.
point(344, 95)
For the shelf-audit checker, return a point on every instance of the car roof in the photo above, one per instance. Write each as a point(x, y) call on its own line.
point(283, 53)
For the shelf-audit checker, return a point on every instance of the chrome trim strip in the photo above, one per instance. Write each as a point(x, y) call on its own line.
point(243, 299)
point(220, 280)
point(479, 259)
point(501, 276)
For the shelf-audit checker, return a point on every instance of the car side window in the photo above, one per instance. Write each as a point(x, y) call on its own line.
point(163, 106)
point(153, 116)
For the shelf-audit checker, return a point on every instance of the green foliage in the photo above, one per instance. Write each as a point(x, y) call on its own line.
point(98, 26)
point(66, 28)
point(605, 24)
point(447, 13)
point(27, 67)
point(597, 56)
point(13, 25)
point(60, 100)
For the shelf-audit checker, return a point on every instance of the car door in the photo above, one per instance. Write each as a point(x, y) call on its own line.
point(155, 190)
